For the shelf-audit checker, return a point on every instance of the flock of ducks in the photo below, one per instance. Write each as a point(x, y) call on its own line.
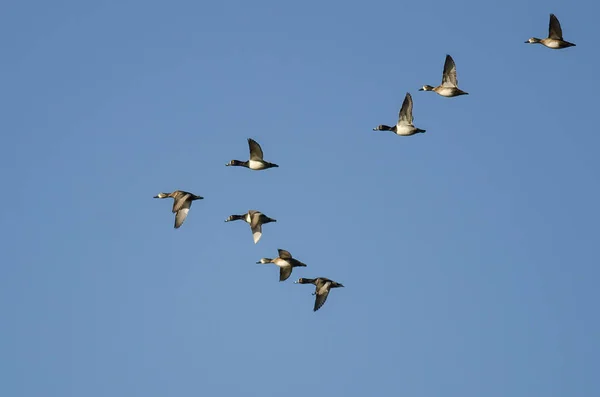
point(182, 202)
point(404, 127)
point(449, 87)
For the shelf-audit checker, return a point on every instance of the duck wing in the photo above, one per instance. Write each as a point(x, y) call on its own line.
point(449, 77)
point(322, 293)
point(182, 213)
point(554, 29)
point(405, 114)
point(285, 272)
point(256, 152)
point(255, 226)
point(283, 254)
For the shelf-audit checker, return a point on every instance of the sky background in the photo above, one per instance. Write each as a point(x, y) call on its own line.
point(469, 253)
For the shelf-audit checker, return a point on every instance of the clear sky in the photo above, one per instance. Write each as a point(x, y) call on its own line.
point(469, 253)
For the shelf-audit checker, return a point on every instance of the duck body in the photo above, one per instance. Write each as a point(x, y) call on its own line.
point(182, 202)
point(285, 262)
point(256, 161)
point(555, 39)
point(447, 92)
point(404, 126)
point(252, 164)
point(255, 219)
point(550, 43)
point(449, 87)
point(322, 287)
point(402, 130)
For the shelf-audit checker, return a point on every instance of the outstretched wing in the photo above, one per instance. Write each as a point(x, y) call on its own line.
point(322, 294)
point(285, 272)
point(554, 29)
point(182, 213)
point(405, 114)
point(256, 152)
point(283, 254)
point(256, 231)
point(449, 77)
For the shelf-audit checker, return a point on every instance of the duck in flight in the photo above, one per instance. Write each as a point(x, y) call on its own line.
point(255, 219)
point(322, 287)
point(285, 262)
point(555, 36)
point(449, 86)
point(256, 161)
point(182, 201)
point(404, 126)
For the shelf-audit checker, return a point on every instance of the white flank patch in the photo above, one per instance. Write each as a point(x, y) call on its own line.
point(255, 165)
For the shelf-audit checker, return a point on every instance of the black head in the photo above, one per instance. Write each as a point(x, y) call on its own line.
point(235, 162)
point(382, 127)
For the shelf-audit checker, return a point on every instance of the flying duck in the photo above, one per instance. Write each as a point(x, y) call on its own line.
point(256, 161)
point(449, 86)
point(323, 285)
point(285, 263)
point(255, 219)
point(181, 204)
point(404, 125)
point(555, 37)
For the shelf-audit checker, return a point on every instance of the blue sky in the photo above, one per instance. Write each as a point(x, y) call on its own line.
point(467, 252)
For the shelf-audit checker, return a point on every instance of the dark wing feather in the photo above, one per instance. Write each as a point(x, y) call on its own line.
point(320, 299)
point(554, 30)
point(256, 152)
point(449, 77)
point(285, 272)
point(182, 213)
point(283, 254)
point(405, 113)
